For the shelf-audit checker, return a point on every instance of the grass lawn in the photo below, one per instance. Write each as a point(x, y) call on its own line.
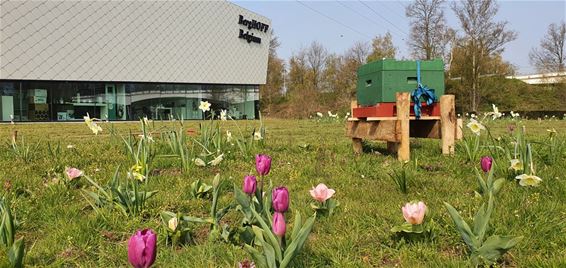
point(62, 229)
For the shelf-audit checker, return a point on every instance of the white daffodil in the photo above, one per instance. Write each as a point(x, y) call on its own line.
point(257, 136)
point(228, 136)
point(199, 162)
point(223, 114)
point(172, 224)
point(329, 113)
point(319, 114)
point(204, 106)
point(216, 160)
point(70, 146)
point(552, 131)
point(496, 114)
point(146, 121)
point(516, 165)
point(473, 116)
point(475, 126)
point(528, 180)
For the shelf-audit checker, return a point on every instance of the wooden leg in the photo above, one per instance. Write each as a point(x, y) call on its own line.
point(448, 125)
point(392, 147)
point(403, 106)
point(357, 145)
point(459, 128)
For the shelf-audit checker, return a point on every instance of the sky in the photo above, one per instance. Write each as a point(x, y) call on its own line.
point(337, 25)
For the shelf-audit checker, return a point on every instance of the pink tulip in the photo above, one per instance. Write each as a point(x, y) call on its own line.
point(262, 164)
point(486, 163)
point(250, 184)
point(278, 226)
point(414, 213)
point(73, 173)
point(280, 199)
point(321, 192)
point(142, 248)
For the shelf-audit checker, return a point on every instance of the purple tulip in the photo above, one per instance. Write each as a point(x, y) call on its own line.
point(278, 226)
point(486, 162)
point(250, 184)
point(280, 199)
point(262, 164)
point(142, 248)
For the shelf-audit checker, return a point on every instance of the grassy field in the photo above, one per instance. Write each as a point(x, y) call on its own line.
point(62, 229)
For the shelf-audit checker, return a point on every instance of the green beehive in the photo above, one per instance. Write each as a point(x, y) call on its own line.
point(378, 81)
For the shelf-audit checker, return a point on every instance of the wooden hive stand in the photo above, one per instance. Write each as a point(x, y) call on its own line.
point(397, 130)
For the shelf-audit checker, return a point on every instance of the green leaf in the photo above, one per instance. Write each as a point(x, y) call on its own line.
point(297, 224)
point(481, 182)
point(298, 242)
point(270, 236)
point(242, 198)
point(494, 247)
point(259, 259)
point(462, 227)
point(481, 219)
point(16, 253)
point(408, 228)
point(497, 185)
point(197, 220)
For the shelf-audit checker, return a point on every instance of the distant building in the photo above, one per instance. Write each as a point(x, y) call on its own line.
point(543, 78)
point(122, 60)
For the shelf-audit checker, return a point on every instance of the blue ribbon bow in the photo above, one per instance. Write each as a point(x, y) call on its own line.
point(421, 91)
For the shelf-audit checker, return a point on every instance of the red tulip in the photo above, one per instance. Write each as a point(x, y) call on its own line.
point(486, 163)
point(142, 248)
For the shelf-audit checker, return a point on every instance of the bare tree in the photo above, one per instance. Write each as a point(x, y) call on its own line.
point(316, 56)
point(273, 88)
point(429, 34)
point(482, 36)
point(550, 56)
point(382, 47)
point(358, 52)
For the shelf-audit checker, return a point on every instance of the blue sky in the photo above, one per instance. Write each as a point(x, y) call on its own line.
point(337, 25)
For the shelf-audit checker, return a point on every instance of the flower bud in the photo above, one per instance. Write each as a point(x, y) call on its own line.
point(262, 164)
point(280, 199)
point(278, 226)
point(142, 248)
point(486, 163)
point(250, 184)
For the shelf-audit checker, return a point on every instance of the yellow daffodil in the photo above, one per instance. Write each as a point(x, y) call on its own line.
point(516, 165)
point(475, 126)
point(528, 180)
point(90, 122)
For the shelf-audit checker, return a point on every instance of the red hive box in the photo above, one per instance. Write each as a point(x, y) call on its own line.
point(389, 109)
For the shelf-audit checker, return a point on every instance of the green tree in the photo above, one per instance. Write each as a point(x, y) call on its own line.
point(382, 47)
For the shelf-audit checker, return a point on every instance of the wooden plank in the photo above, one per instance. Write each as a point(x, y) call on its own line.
point(424, 118)
point(459, 129)
point(403, 106)
point(447, 123)
point(357, 145)
point(377, 130)
point(353, 119)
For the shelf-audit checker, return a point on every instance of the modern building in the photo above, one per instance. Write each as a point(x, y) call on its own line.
point(122, 60)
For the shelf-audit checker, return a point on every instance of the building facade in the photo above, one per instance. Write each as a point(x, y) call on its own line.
point(122, 60)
